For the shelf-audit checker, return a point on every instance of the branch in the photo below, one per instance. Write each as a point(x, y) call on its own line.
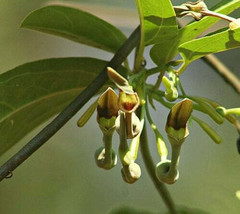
point(162, 189)
point(46, 133)
point(223, 71)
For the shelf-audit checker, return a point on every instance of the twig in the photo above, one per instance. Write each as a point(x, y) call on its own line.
point(162, 190)
point(223, 71)
point(70, 110)
point(217, 15)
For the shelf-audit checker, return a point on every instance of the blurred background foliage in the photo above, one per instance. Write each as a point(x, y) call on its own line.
point(62, 177)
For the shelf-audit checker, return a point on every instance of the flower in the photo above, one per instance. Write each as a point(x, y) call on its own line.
point(176, 126)
point(128, 103)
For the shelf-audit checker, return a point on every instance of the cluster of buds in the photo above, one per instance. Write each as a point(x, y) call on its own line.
point(171, 92)
point(118, 113)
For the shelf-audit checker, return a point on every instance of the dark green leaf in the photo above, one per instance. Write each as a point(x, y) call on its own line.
point(222, 41)
point(33, 92)
point(76, 25)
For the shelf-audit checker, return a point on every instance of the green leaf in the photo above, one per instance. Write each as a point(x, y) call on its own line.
point(160, 27)
point(218, 42)
point(163, 53)
point(34, 92)
point(76, 25)
point(159, 20)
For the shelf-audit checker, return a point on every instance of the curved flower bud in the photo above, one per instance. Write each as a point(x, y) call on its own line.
point(209, 130)
point(107, 111)
point(177, 131)
point(87, 114)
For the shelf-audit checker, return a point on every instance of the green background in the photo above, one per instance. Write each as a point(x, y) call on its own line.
point(62, 177)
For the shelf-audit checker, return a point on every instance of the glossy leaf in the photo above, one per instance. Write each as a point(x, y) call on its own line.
point(33, 92)
point(75, 25)
point(222, 41)
point(189, 32)
point(159, 20)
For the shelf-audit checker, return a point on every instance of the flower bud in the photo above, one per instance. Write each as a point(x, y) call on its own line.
point(87, 114)
point(209, 130)
point(171, 92)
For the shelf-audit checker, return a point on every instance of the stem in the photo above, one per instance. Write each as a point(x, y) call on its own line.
point(70, 110)
point(107, 139)
point(182, 68)
point(134, 147)
point(223, 71)
point(140, 49)
point(162, 190)
point(158, 83)
point(174, 160)
point(129, 124)
point(123, 146)
point(181, 88)
point(162, 149)
point(218, 15)
point(235, 111)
